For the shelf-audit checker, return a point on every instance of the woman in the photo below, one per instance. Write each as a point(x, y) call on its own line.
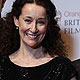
point(35, 48)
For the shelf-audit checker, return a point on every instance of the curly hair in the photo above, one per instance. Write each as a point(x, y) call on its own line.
point(52, 43)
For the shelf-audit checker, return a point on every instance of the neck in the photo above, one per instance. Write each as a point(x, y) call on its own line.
point(27, 56)
point(30, 53)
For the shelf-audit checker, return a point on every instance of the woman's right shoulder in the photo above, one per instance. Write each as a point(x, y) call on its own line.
point(3, 59)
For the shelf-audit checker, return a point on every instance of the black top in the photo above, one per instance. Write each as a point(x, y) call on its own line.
point(76, 64)
point(59, 68)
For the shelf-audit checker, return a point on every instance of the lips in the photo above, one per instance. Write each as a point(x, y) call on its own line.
point(32, 36)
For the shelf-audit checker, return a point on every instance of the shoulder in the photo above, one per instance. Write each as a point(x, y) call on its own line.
point(2, 64)
point(65, 66)
point(3, 59)
point(76, 62)
point(65, 62)
point(62, 60)
point(3, 67)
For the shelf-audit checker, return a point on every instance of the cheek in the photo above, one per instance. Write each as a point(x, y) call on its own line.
point(23, 27)
point(22, 30)
point(43, 30)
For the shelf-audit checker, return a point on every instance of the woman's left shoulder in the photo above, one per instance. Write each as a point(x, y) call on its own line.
point(65, 63)
point(63, 59)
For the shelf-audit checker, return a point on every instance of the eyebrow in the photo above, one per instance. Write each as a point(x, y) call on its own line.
point(31, 17)
point(42, 18)
point(27, 17)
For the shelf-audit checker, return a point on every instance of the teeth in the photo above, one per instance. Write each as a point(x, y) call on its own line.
point(31, 35)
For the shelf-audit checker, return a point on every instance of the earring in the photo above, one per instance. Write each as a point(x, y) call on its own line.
point(17, 28)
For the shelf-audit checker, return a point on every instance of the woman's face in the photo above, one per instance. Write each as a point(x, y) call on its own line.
point(32, 24)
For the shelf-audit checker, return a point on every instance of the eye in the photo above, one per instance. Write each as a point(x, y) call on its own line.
point(28, 20)
point(41, 22)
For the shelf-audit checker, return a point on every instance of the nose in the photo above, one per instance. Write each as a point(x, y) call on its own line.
point(33, 27)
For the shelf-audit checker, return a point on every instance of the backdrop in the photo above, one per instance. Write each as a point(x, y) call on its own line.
point(68, 17)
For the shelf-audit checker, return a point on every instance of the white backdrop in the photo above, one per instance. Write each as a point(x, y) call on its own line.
point(68, 16)
point(7, 7)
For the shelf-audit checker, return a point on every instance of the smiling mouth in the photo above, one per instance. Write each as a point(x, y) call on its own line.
point(32, 36)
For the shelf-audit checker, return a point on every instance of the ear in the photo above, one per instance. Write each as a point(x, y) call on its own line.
point(16, 21)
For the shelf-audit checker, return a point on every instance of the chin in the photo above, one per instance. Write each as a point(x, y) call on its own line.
point(32, 44)
point(35, 46)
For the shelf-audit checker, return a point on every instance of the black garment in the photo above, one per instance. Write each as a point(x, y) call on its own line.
point(59, 68)
point(76, 64)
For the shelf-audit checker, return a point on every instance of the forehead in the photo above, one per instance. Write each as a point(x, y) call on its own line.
point(33, 9)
